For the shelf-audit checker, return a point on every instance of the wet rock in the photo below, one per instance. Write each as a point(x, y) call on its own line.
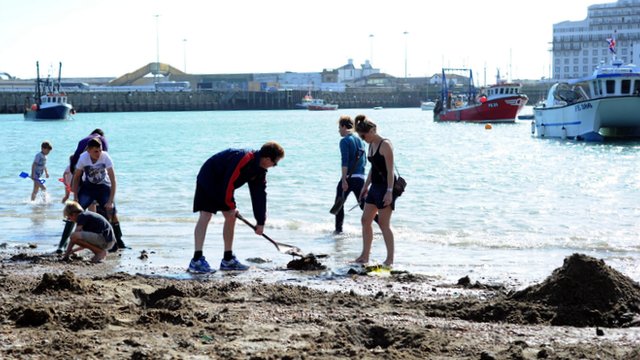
point(157, 298)
point(33, 317)
point(307, 263)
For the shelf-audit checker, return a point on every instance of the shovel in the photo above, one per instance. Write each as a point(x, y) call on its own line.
point(283, 248)
point(24, 175)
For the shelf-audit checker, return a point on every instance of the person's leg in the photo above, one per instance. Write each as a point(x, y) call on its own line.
point(68, 229)
point(229, 229)
point(34, 192)
point(368, 214)
point(200, 231)
point(340, 213)
point(384, 221)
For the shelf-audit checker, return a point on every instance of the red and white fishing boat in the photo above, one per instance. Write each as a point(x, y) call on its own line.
point(498, 103)
point(319, 104)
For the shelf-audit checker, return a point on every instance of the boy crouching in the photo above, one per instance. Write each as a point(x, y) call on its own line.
point(93, 232)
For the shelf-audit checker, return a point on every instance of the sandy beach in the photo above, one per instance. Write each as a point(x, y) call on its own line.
point(54, 309)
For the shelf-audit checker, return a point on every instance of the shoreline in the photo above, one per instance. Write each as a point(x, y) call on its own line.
point(60, 310)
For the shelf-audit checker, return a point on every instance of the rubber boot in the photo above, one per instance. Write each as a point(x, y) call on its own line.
point(118, 233)
point(68, 229)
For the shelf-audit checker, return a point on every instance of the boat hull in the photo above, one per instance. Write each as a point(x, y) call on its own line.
point(57, 112)
point(322, 108)
point(502, 110)
point(590, 120)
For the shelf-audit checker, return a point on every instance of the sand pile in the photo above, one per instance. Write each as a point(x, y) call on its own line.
point(586, 292)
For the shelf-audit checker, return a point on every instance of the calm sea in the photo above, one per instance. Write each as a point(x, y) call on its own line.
point(497, 205)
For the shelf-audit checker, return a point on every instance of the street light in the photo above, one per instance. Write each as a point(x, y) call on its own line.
point(184, 54)
point(155, 76)
point(405, 54)
point(371, 48)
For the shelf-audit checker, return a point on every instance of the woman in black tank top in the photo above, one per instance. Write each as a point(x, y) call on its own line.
point(378, 189)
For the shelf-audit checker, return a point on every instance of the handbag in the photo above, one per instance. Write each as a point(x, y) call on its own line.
point(399, 184)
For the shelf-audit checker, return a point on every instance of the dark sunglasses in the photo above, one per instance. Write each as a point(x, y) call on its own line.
point(275, 163)
point(362, 135)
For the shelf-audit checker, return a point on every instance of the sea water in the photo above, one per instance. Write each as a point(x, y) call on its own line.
point(495, 204)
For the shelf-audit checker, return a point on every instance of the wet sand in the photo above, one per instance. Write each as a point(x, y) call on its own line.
point(53, 309)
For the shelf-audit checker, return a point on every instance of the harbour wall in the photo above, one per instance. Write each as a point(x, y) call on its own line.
point(17, 102)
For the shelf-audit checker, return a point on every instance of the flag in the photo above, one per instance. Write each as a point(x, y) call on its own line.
point(612, 44)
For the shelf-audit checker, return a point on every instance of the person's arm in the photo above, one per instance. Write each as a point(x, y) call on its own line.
point(386, 150)
point(74, 183)
point(33, 171)
point(258, 191)
point(112, 177)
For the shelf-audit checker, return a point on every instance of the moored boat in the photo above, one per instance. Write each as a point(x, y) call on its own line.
point(50, 103)
point(499, 103)
point(594, 108)
point(319, 104)
point(427, 105)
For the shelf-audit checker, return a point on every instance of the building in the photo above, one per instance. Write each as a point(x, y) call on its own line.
point(579, 46)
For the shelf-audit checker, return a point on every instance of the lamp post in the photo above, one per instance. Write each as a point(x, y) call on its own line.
point(405, 54)
point(371, 48)
point(155, 75)
point(184, 54)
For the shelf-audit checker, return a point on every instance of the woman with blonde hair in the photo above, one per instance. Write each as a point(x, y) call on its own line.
point(378, 189)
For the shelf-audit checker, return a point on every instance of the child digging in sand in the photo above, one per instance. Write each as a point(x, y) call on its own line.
point(93, 232)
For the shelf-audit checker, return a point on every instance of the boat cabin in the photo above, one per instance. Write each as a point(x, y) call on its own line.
point(503, 90)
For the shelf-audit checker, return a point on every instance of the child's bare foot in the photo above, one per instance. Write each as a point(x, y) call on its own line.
point(99, 257)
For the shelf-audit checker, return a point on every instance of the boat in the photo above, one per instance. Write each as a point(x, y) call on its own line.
point(427, 105)
point(305, 102)
point(50, 103)
point(319, 104)
point(593, 108)
point(499, 103)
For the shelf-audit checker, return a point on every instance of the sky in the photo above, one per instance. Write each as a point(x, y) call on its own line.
point(111, 38)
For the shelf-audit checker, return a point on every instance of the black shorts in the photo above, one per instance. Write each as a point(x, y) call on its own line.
point(205, 201)
point(376, 196)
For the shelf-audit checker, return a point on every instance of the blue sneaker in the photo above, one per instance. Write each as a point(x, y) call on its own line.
point(232, 265)
point(200, 266)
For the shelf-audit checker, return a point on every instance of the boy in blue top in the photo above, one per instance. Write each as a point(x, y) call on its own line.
point(217, 180)
point(39, 167)
point(353, 164)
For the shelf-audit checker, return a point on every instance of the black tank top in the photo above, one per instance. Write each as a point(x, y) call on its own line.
point(379, 167)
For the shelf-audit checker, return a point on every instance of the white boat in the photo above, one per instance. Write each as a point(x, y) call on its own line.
point(603, 105)
point(427, 105)
point(50, 102)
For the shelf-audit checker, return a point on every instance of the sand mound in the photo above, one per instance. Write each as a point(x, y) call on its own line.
point(583, 292)
point(64, 282)
point(586, 292)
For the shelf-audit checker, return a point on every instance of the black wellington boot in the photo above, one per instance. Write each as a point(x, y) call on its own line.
point(118, 233)
point(68, 229)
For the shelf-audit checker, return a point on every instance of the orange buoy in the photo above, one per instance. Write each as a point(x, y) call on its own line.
point(487, 127)
point(34, 107)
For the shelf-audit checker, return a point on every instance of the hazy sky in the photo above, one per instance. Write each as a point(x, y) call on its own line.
point(111, 38)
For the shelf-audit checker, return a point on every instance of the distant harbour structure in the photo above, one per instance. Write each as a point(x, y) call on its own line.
point(580, 46)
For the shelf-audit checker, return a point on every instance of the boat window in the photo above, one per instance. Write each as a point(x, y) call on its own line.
point(626, 86)
point(611, 86)
point(636, 87)
point(501, 91)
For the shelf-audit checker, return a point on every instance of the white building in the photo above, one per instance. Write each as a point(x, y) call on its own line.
point(349, 72)
point(579, 46)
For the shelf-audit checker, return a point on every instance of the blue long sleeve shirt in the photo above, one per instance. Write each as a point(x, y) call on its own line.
point(349, 146)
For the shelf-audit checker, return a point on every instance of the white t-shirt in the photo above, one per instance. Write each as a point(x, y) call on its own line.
point(95, 172)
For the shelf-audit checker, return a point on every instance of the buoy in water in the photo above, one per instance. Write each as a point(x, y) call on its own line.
point(487, 126)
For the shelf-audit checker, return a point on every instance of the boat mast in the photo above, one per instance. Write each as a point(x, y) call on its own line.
point(38, 92)
point(59, 72)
